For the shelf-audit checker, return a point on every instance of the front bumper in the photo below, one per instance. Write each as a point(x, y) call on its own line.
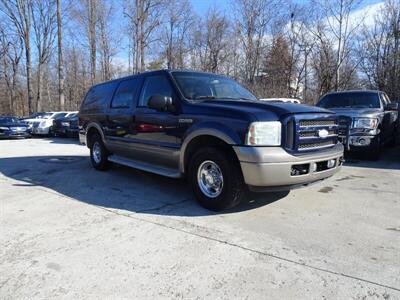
point(271, 168)
point(82, 138)
point(40, 130)
point(14, 135)
point(66, 131)
point(359, 142)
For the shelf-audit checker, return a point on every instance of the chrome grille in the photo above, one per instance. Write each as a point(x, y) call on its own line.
point(319, 145)
point(316, 133)
point(305, 123)
point(344, 125)
point(307, 134)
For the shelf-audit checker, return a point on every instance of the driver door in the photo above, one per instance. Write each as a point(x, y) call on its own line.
point(156, 131)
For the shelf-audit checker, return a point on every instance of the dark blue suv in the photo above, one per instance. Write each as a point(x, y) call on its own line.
point(211, 130)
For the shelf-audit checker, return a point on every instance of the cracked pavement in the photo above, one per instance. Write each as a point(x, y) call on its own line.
point(68, 231)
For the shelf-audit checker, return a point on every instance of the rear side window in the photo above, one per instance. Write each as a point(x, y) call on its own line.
point(155, 85)
point(99, 96)
point(125, 94)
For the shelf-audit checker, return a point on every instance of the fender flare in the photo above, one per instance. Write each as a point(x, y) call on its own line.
point(97, 127)
point(216, 130)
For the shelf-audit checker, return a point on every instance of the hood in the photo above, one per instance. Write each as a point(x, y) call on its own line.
point(260, 110)
point(357, 112)
point(34, 120)
point(68, 119)
point(19, 124)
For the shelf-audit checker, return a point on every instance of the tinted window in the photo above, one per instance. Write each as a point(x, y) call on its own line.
point(59, 115)
point(125, 93)
point(4, 120)
point(197, 86)
point(155, 85)
point(99, 96)
point(350, 100)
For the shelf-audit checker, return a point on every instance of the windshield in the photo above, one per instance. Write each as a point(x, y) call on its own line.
point(40, 115)
point(72, 115)
point(5, 120)
point(202, 86)
point(350, 100)
point(58, 116)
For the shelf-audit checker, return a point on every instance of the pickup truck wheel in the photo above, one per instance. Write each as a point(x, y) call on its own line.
point(98, 153)
point(216, 179)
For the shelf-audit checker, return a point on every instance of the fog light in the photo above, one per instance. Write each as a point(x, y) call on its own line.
point(331, 163)
point(314, 167)
point(361, 141)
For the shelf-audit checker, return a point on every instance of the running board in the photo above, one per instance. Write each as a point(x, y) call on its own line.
point(145, 166)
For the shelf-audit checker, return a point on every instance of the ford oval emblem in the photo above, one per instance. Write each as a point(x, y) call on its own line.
point(323, 133)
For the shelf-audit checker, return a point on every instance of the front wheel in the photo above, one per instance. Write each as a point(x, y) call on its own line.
point(98, 153)
point(216, 179)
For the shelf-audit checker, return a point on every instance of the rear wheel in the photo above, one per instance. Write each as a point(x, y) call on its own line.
point(98, 153)
point(216, 179)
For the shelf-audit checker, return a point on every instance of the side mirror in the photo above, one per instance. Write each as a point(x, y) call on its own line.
point(160, 103)
point(392, 106)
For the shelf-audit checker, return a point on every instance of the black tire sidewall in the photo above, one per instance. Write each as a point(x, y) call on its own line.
point(103, 164)
point(233, 183)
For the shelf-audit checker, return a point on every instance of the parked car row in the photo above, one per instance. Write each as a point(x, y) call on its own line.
point(42, 124)
point(11, 127)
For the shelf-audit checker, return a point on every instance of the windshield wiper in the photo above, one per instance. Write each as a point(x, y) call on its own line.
point(205, 97)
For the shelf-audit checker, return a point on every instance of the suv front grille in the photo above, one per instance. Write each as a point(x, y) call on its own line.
point(344, 125)
point(304, 123)
point(316, 145)
point(311, 132)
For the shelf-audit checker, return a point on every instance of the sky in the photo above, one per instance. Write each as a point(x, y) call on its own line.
point(201, 6)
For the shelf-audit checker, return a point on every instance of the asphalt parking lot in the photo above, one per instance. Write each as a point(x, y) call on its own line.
point(68, 231)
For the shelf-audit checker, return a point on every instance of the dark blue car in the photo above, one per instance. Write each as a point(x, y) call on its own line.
point(11, 127)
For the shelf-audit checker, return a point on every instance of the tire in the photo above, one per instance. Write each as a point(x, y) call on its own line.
point(214, 161)
point(98, 153)
point(375, 151)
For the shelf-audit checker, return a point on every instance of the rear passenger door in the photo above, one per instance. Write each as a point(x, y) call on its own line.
point(120, 127)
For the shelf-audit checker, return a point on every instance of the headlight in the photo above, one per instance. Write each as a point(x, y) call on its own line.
point(4, 128)
point(43, 124)
point(264, 134)
point(365, 123)
point(65, 124)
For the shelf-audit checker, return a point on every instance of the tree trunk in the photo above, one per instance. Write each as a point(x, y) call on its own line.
point(29, 73)
point(92, 38)
point(39, 87)
point(61, 96)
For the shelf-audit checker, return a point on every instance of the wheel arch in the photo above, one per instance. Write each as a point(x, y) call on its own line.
point(205, 137)
point(92, 129)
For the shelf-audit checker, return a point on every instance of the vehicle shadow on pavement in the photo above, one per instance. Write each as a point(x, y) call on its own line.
point(57, 140)
point(390, 159)
point(119, 188)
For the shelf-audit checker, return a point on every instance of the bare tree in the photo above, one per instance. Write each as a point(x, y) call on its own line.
point(19, 12)
point(92, 14)
point(340, 28)
point(10, 55)
point(144, 17)
point(380, 50)
point(61, 96)
point(178, 17)
point(44, 25)
point(106, 34)
point(253, 18)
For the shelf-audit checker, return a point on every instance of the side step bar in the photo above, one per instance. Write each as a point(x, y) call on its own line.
point(164, 171)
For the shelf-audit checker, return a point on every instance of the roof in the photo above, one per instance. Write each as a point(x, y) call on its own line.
point(355, 91)
point(155, 72)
